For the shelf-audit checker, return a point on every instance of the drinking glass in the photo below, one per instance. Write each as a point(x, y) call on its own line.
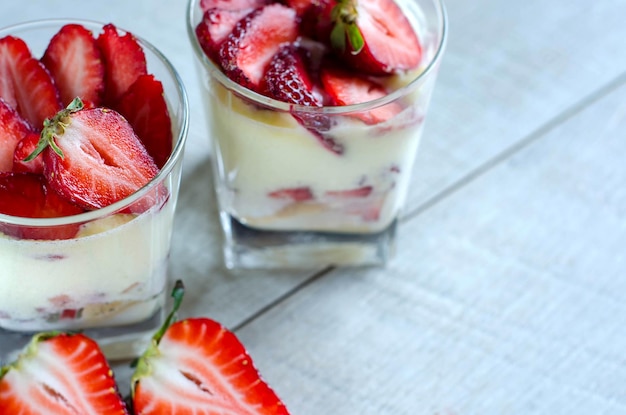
point(109, 280)
point(300, 186)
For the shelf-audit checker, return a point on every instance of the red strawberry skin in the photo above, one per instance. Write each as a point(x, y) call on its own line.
point(124, 62)
point(215, 27)
point(287, 79)
point(247, 51)
point(12, 129)
point(60, 374)
point(28, 195)
point(25, 83)
point(144, 106)
point(347, 88)
point(23, 149)
point(391, 44)
point(75, 63)
point(201, 368)
point(103, 160)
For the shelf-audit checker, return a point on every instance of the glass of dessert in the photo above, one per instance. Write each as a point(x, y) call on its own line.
point(94, 125)
point(315, 110)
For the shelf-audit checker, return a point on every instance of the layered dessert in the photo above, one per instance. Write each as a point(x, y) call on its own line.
point(87, 193)
point(315, 109)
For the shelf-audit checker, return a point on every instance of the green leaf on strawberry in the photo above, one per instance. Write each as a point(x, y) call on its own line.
point(344, 15)
point(198, 366)
point(55, 126)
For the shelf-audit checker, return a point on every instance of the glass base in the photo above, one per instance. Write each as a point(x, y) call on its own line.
point(250, 248)
point(117, 343)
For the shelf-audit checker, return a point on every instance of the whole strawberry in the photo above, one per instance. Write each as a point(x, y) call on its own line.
point(60, 374)
point(197, 366)
point(93, 157)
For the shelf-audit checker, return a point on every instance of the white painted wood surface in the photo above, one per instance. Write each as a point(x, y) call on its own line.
point(508, 292)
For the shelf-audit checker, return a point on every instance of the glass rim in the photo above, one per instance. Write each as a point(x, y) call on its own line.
point(271, 103)
point(177, 150)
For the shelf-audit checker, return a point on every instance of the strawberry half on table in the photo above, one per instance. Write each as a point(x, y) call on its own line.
point(196, 366)
point(60, 374)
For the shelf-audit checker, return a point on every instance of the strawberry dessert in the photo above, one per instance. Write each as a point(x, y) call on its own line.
point(190, 366)
point(315, 108)
point(89, 170)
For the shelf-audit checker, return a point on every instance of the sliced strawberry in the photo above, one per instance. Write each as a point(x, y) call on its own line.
point(12, 129)
point(25, 83)
point(294, 194)
point(198, 366)
point(346, 88)
point(362, 201)
point(315, 17)
point(390, 43)
point(23, 149)
point(28, 195)
point(75, 63)
point(247, 51)
point(363, 191)
point(124, 62)
point(95, 159)
point(215, 27)
point(144, 106)
point(60, 374)
point(287, 80)
point(231, 4)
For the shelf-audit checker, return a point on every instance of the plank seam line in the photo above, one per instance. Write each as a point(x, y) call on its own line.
point(260, 312)
point(516, 147)
point(460, 183)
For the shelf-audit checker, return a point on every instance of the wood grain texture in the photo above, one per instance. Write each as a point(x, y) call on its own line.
point(511, 300)
point(507, 296)
point(507, 72)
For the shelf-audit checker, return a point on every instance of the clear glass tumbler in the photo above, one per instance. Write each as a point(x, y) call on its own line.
point(110, 279)
point(292, 199)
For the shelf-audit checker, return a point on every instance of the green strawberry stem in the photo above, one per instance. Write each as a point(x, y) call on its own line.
point(54, 127)
point(142, 365)
point(177, 294)
point(345, 16)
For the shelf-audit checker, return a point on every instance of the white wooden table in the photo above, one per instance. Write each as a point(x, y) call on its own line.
point(508, 293)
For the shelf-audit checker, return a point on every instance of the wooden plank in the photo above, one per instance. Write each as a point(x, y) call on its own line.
point(511, 301)
point(508, 71)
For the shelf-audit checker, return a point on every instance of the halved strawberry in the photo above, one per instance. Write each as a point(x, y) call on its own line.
point(294, 194)
point(25, 83)
point(347, 88)
point(95, 159)
point(198, 366)
point(387, 42)
point(75, 63)
point(124, 62)
point(28, 195)
point(59, 374)
point(215, 27)
point(12, 129)
point(247, 51)
point(144, 106)
point(23, 149)
point(287, 80)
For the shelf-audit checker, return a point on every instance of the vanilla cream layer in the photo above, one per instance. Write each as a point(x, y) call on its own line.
point(264, 151)
point(119, 265)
